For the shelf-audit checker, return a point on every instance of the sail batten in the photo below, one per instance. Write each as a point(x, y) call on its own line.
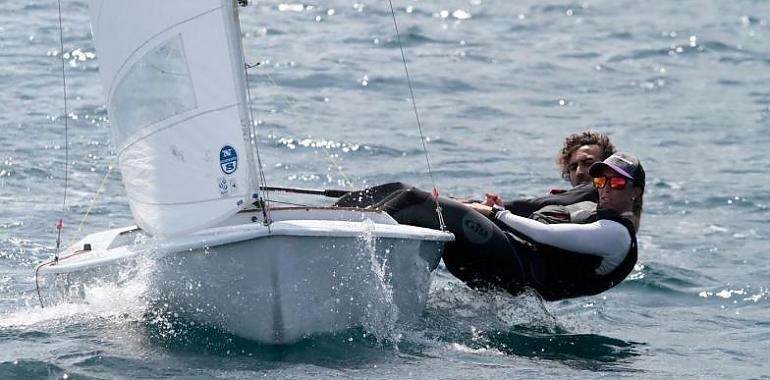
point(173, 76)
point(148, 131)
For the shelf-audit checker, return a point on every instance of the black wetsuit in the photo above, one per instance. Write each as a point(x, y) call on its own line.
point(488, 254)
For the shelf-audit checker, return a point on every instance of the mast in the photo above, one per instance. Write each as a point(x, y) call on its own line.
point(238, 61)
point(258, 181)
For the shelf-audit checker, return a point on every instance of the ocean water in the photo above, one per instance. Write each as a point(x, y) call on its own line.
point(685, 85)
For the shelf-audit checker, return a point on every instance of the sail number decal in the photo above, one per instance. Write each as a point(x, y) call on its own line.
point(228, 159)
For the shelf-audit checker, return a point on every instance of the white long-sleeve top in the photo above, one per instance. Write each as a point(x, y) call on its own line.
point(606, 238)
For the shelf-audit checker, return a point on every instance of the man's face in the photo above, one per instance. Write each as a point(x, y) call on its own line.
point(579, 162)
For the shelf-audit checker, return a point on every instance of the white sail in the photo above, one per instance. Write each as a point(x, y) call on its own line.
point(174, 79)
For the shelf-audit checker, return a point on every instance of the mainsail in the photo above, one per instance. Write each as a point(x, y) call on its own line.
point(173, 76)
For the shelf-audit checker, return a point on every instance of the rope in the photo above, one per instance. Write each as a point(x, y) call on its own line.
point(339, 168)
point(37, 283)
point(60, 223)
point(56, 258)
point(51, 262)
point(435, 192)
point(99, 191)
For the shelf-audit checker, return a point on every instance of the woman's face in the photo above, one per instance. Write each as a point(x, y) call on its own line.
point(619, 200)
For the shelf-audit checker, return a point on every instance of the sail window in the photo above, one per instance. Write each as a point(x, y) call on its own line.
point(157, 87)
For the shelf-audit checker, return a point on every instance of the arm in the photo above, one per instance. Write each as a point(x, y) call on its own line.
point(605, 238)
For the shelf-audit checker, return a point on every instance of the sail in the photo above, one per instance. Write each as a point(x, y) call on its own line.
point(173, 76)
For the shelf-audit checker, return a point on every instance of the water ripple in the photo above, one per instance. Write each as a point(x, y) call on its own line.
point(33, 369)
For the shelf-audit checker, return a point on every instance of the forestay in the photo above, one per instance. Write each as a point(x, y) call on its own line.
point(173, 77)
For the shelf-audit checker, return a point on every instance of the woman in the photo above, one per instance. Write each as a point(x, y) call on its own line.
point(494, 248)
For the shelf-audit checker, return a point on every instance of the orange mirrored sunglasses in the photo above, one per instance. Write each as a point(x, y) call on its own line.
point(616, 183)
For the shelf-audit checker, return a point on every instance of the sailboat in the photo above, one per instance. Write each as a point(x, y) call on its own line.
point(223, 255)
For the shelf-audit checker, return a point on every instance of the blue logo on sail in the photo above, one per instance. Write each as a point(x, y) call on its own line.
point(228, 159)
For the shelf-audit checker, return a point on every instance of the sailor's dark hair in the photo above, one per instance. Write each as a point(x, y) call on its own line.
point(575, 141)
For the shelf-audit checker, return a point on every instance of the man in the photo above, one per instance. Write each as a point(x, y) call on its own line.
point(578, 153)
point(585, 255)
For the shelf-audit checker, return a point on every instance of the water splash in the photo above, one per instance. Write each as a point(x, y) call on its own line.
point(117, 293)
point(99, 300)
point(380, 313)
point(489, 310)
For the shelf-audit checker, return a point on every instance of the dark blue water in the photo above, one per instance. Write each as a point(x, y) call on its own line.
point(685, 85)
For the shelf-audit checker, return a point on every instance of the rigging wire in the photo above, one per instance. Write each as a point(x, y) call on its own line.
point(417, 118)
point(60, 224)
point(264, 199)
point(306, 205)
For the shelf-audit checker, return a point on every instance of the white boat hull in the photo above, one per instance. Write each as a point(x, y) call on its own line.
point(309, 273)
point(296, 286)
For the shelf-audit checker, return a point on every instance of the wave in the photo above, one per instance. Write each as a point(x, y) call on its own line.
point(464, 320)
point(31, 369)
point(661, 285)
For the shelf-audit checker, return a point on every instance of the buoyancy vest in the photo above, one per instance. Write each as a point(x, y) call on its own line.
point(557, 273)
point(579, 193)
point(574, 213)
